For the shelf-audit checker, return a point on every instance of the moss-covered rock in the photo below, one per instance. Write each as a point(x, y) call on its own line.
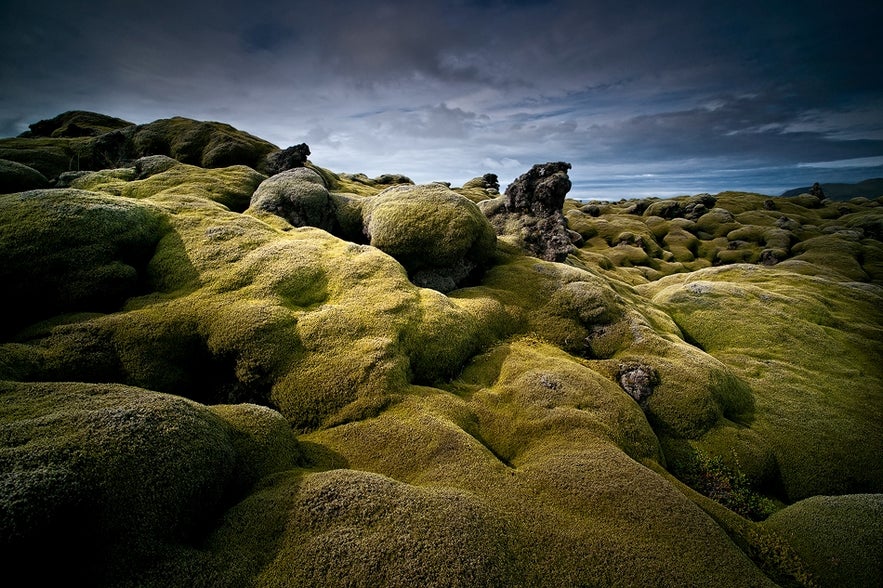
point(72, 250)
point(75, 123)
point(440, 237)
point(120, 474)
point(773, 329)
point(299, 196)
point(609, 420)
point(17, 177)
point(839, 537)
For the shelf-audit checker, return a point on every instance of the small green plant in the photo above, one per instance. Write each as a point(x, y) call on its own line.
point(711, 476)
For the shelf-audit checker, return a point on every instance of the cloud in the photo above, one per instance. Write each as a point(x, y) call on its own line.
point(863, 162)
point(451, 90)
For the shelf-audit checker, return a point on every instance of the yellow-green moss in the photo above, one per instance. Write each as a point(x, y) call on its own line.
point(839, 537)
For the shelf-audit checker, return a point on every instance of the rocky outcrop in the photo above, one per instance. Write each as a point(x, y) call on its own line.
point(289, 158)
point(531, 211)
point(540, 191)
point(73, 124)
point(84, 141)
point(637, 380)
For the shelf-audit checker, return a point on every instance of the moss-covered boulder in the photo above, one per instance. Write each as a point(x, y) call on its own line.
point(73, 250)
point(75, 123)
point(300, 197)
point(440, 237)
point(839, 537)
point(121, 474)
point(206, 144)
point(17, 177)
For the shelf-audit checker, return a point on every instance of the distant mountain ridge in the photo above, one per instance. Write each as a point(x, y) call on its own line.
point(868, 188)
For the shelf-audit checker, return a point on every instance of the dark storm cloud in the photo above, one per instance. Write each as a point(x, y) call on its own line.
point(447, 90)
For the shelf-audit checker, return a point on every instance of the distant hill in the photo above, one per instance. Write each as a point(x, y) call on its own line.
point(868, 188)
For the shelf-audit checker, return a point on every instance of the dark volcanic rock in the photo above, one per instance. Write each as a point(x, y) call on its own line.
point(491, 181)
point(532, 207)
point(289, 158)
point(541, 190)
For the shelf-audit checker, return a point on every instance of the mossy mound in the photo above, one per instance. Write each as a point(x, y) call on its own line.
point(107, 476)
point(440, 237)
point(774, 329)
point(72, 250)
point(839, 537)
point(686, 234)
point(164, 177)
point(75, 123)
point(76, 141)
point(17, 177)
point(299, 196)
point(206, 144)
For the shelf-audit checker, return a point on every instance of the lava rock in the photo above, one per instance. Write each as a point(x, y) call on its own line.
point(289, 158)
point(540, 191)
point(637, 380)
point(532, 210)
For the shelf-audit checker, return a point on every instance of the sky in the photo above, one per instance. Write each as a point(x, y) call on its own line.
point(642, 98)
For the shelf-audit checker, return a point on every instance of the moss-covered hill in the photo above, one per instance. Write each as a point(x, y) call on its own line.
point(212, 377)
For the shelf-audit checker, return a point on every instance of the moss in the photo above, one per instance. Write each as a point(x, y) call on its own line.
point(839, 537)
point(834, 255)
point(724, 484)
point(773, 329)
point(717, 222)
point(299, 196)
point(230, 186)
point(431, 231)
point(487, 434)
point(66, 250)
point(120, 472)
point(205, 144)
point(262, 439)
point(18, 177)
point(76, 123)
point(50, 157)
point(766, 548)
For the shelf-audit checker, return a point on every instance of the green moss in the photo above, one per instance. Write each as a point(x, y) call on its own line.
point(50, 157)
point(66, 250)
point(839, 537)
point(716, 223)
point(774, 329)
point(230, 186)
point(18, 177)
point(120, 472)
point(722, 483)
point(835, 255)
point(206, 144)
point(299, 196)
point(435, 233)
